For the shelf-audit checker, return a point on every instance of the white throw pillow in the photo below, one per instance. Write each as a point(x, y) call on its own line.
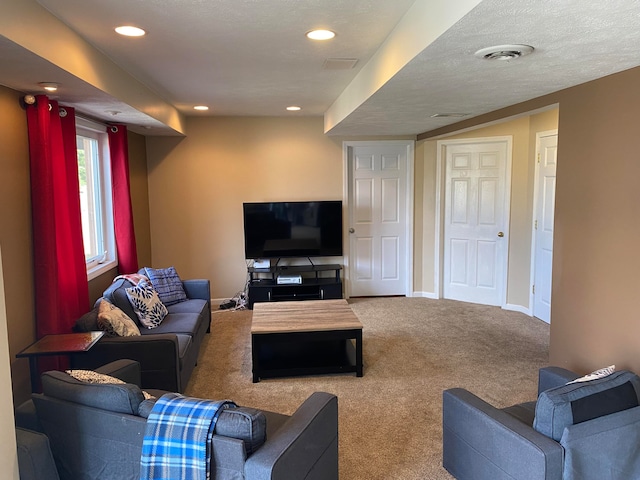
point(603, 372)
point(146, 303)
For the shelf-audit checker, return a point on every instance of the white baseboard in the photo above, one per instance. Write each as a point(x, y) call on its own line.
point(517, 308)
point(430, 295)
point(215, 302)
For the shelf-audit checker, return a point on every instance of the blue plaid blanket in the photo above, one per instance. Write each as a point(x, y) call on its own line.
point(177, 440)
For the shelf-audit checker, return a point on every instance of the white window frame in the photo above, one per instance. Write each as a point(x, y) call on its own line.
point(97, 266)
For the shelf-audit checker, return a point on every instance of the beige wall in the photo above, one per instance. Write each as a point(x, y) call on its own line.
point(15, 235)
point(596, 263)
point(140, 196)
point(15, 230)
point(197, 186)
point(522, 130)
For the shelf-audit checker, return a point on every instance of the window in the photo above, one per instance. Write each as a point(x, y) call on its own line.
point(94, 174)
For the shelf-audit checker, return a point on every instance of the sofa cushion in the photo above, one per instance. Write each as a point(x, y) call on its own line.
point(147, 305)
point(194, 305)
point(185, 323)
point(605, 448)
point(115, 322)
point(575, 403)
point(87, 322)
point(116, 294)
point(525, 412)
point(115, 397)
point(90, 376)
point(168, 284)
point(35, 460)
point(244, 423)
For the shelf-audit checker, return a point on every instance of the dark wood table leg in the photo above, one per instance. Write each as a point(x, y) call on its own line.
point(255, 358)
point(359, 368)
point(33, 369)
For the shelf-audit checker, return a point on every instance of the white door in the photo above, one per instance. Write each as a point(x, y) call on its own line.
point(475, 221)
point(379, 251)
point(547, 160)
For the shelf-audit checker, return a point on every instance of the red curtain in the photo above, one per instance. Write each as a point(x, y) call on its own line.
point(60, 276)
point(122, 210)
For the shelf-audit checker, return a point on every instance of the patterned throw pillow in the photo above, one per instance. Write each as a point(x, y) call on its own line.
point(115, 322)
point(603, 372)
point(89, 376)
point(168, 284)
point(147, 305)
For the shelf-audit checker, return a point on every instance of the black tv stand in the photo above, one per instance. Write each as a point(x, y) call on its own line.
point(318, 283)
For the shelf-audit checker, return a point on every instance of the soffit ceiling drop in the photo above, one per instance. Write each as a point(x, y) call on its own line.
point(243, 57)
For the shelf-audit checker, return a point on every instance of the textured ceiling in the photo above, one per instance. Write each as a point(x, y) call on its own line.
point(250, 57)
point(575, 41)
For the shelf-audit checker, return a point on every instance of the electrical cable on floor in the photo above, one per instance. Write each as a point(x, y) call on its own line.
point(239, 300)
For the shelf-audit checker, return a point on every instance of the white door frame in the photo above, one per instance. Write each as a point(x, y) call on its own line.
point(536, 187)
point(347, 158)
point(440, 191)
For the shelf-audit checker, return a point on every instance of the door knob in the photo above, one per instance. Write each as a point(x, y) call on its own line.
point(351, 230)
point(501, 234)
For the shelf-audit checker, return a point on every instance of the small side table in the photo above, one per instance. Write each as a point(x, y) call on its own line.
point(61, 344)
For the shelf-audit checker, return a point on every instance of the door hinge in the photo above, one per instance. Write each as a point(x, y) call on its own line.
point(538, 158)
point(535, 226)
point(533, 289)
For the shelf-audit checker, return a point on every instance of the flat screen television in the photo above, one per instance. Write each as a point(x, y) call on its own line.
point(293, 229)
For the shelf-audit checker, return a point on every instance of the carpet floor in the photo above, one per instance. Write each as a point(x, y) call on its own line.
point(390, 420)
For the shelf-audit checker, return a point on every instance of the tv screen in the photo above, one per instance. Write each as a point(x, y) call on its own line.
point(293, 229)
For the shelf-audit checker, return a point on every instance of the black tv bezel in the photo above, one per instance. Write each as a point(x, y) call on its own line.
point(292, 255)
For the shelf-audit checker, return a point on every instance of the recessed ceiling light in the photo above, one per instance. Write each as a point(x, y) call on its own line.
point(49, 86)
point(130, 31)
point(321, 34)
point(504, 52)
point(294, 108)
point(201, 108)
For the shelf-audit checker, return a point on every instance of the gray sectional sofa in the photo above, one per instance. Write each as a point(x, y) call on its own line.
point(96, 431)
point(168, 353)
point(585, 430)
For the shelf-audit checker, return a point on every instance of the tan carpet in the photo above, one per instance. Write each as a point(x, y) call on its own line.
point(414, 348)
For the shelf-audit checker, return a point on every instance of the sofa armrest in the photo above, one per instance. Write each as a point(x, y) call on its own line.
point(552, 377)
point(485, 443)
point(605, 447)
point(35, 459)
point(126, 370)
point(306, 446)
point(200, 288)
point(197, 288)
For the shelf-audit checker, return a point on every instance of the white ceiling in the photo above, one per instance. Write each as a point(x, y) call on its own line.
point(250, 57)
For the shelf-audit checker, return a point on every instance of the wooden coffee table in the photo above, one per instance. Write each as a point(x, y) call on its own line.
point(305, 338)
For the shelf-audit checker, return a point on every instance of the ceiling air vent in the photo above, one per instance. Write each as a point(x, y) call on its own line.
point(504, 52)
point(339, 63)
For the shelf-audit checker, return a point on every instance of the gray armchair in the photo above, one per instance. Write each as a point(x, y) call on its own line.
point(581, 431)
point(96, 431)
